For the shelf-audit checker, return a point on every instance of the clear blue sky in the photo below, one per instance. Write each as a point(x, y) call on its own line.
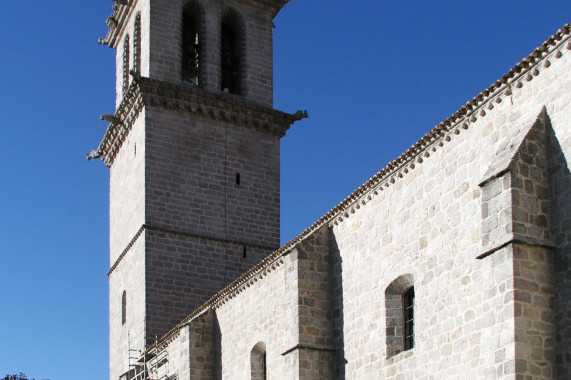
point(374, 75)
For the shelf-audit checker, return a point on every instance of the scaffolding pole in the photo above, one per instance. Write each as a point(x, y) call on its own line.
point(137, 351)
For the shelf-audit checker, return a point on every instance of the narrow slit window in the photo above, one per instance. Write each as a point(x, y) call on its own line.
point(244, 253)
point(126, 65)
point(237, 178)
point(408, 308)
point(190, 45)
point(124, 308)
point(137, 45)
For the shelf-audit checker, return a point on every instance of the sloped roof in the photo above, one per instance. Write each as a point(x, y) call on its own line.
point(504, 157)
point(444, 132)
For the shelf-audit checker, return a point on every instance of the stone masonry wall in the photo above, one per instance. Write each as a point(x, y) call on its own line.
point(534, 314)
point(559, 155)
point(316, 349)
point(191, 169)
point(515, 195)
point(482, 310)
point(530, 187)
point(288, 310)
point(183, 272)
point(212, 200)
point(194, 202)
point(126, 191)
point(525, 190)
point(428, 223)
point(126, 217)
point(165, 56)
point(171, 360)
point(266, 311)
point(141, 7)
point(191, 353)
point(285, 309)
point(483, 307)
point(129, 277)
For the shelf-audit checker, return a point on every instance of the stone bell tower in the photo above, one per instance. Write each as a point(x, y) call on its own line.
point(194, 155)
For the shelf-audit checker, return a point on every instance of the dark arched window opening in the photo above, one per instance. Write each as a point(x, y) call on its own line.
point(137, 44)
point(399, 312)
point(258, 365)
point(231, 53)
point(191, 43)
point(124, 307)
point(408, 308)
point(125, 64)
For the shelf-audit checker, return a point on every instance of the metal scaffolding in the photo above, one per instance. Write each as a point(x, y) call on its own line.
point(137, 356)
point(144, 364)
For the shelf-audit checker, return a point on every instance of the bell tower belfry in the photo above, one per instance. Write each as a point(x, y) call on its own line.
point(193, 150)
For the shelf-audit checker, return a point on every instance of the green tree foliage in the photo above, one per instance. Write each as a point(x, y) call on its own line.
point(21, 376)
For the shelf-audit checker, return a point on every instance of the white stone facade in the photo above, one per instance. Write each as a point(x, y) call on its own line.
point(475, 218)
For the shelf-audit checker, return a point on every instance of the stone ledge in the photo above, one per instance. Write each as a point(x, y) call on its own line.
point(516, 239)
point(192, 100)
point(307, 347)
point(146, 227)
point(504, 158)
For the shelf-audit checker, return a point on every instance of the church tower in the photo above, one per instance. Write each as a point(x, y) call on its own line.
point(193, 150)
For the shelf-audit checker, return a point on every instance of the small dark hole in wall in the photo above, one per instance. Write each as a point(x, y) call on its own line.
point(237, 178)
point(244, 252)
point(135, 149)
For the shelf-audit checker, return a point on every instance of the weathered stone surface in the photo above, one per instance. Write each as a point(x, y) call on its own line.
point(477, 218)
point(195, 172)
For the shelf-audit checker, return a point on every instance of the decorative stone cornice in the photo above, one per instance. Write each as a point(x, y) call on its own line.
point(257, 273)
point(117, 21)
point(193, 100)
point(165, 343)
point(126, 250)
point(123, 121)
point(523, 72)
point(146, 227)
point(443, 133)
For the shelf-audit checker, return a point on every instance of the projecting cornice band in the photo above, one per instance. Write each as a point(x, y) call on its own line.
point(189, 99)
point(146, 227)
point(517, 240)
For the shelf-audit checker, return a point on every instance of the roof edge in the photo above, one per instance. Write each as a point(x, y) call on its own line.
point(525, 70)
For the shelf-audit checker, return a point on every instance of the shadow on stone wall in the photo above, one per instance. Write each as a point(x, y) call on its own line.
point(560, 230)
point(337, 307)
point(217, 349)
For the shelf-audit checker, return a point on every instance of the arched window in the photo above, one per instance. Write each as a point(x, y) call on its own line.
point(191, 49)
point(399, 311)
point(231, 45)
point(124, 307)
point(125, 64)
point(137, 44)
point(258, 366)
